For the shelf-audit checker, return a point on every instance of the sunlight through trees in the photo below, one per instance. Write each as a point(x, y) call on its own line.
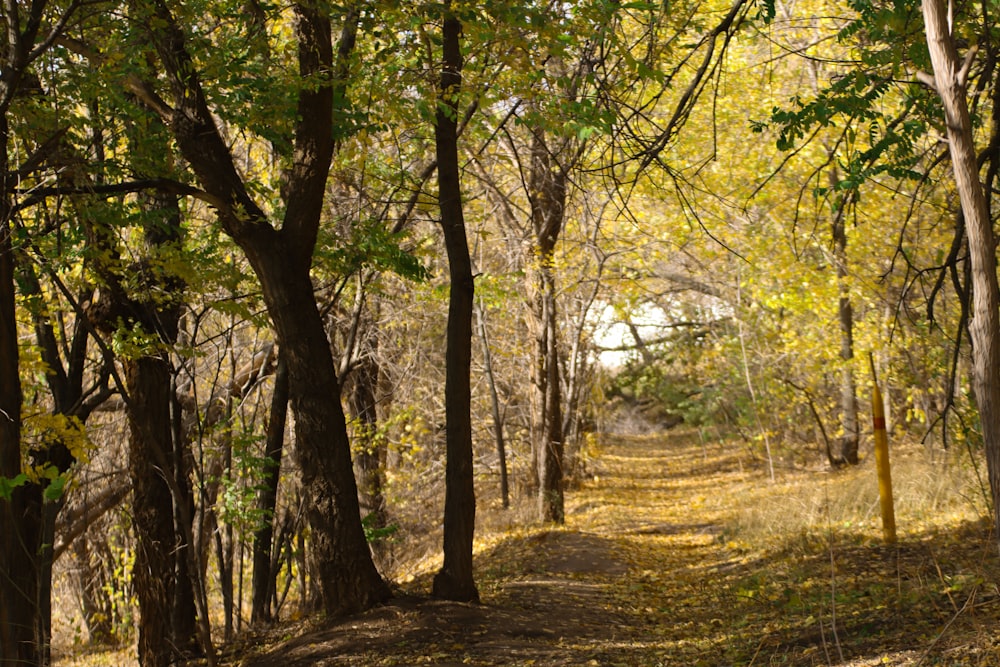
point(296, 298)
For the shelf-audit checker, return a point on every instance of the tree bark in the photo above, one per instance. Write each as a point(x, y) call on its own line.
point(371, 452)
point(845, 317)
point(455, 580)
point(147, 381)
point(23, 633)
point(95, 603)
point(551, 493)
point(184, 622)
point(18, 566)
point(263, 572)
point(547, 197)
point(984, 323)
point(281, 259)
point(347, 576)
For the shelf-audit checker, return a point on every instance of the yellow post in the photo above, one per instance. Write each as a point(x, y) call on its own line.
point(882, 460)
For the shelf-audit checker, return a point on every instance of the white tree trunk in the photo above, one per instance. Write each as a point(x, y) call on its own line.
point(984, 324)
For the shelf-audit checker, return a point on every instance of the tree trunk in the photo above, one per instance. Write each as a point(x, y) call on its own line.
point(547, 195)
point(150, 386)
point(848, 393)
point(92, 584)
point(184, 624)
point(263, 571)
point(156, 471)
point(455, 580)
point(495, 405)
point(281, 259)
point(551, 495)
point(18, 564)
point(347, 576)
point(224, 546)
point(148, 383)
point(371, 452)
point(23, 633)
point(984, 323)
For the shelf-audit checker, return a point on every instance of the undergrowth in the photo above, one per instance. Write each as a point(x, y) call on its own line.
point(720, 566)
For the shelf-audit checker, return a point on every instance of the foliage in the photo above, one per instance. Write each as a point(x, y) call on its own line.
point(723, 237)
point(377, 534)
point(7, 485)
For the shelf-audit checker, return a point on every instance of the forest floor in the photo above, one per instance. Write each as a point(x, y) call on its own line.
point(682, 552)
point(656, 566)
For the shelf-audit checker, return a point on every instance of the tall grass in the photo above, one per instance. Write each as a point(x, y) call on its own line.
point(928, 488)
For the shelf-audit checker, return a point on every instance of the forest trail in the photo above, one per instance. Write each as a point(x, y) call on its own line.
point(647, 571)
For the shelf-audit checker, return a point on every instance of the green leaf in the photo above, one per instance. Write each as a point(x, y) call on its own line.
point(55, 488)
point(7, 485)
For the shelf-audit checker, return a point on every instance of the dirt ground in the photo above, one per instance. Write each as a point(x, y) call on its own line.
point(549, 597)
point(555, 612)
point(647, 572)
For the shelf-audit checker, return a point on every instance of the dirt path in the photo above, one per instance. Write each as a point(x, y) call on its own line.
point(645, 573)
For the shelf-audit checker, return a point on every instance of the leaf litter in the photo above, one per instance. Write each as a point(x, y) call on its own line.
point(659, 565)
point(656, 566)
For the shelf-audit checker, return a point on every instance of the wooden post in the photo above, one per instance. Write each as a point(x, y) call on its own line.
point(882, 460)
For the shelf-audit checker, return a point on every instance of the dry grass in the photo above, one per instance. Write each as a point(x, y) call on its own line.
point(701, 560)
point(929, 488)
point(730, 568)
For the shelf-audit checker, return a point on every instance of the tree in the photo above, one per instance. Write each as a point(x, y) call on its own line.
point(281, 259)
point(18, 568)
point(949, 81)
point(455, 580)
point(29, 33)
point(547, 183)
point(263, 542)
point(879, 97)
point(848, 451)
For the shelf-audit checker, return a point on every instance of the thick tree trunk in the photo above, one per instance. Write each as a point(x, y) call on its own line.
point(24, 634)
point(281, 260)
point(148, 384)
point(162, 230)
point(984, 323)
point(347, 576)
point(156, 470)
point(263, 571)
point(455, 580)
point(18, 563)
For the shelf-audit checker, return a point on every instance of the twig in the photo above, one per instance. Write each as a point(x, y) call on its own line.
point(947, 625)
point(833, 603)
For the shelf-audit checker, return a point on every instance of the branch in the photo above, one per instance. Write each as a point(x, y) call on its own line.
point(38, 194)
point(963, 72)
point(303, 182)
point(75, 521)
point(36, 159)
point(691, 94)
point(927, 80)
point(136, 85)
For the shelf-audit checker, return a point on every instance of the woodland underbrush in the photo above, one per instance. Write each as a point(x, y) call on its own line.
point(796, 571)
point(684, 552)
point(930, 488)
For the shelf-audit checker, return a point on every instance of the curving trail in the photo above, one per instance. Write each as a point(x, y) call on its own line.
point(650, 570)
